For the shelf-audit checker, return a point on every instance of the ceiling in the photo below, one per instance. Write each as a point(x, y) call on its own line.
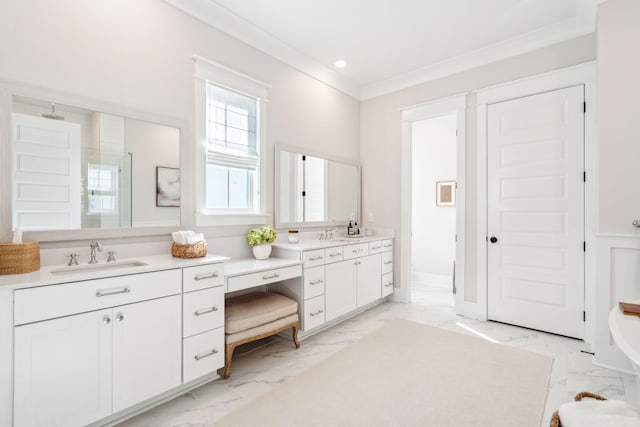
point(390, 45)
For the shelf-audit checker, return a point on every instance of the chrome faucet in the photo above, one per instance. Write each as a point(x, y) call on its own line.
point(329, 233)
point(94, 245)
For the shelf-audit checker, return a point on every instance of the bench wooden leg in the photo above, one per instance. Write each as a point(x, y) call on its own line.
point(228, 354)
point(295, 335)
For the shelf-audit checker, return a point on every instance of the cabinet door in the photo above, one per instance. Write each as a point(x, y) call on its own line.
point(63, 371)
point(340, 289)
point(146, 350)
point(369, 279)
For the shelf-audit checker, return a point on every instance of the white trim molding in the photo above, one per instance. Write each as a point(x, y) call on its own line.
point(617, 275)
point(455, 104)
point(583, 74)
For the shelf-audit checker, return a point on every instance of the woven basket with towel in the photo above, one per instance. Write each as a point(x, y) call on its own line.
point(188, 244)
point(598, 412)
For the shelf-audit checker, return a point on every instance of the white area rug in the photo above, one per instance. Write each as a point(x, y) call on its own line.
point(409, 374)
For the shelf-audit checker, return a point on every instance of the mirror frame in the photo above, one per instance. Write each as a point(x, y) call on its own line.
point(310, 224)
point(8, 90)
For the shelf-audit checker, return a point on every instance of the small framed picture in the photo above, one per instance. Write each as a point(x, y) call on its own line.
point(167, 186)
point(445, 193)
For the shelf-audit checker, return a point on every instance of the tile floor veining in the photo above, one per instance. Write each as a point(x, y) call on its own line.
point(265, 367)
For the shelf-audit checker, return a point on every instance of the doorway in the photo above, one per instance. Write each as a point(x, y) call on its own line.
point(448, 184)
point(433, 207)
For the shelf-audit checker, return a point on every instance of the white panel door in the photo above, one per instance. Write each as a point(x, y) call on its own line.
point(369, 279)
point(535, 164)
point(340, 288)
point(147, 350)
point(46, 173)
point(63, 371)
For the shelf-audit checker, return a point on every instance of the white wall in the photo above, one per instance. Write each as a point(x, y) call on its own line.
point(380, 135)
point(618, 112)
point(433, 158)
point(137, 54)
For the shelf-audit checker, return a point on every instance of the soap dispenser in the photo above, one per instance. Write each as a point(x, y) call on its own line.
point(350, 229)
point(356, 229)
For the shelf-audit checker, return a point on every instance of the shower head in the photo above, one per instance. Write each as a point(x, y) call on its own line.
point(53, 115)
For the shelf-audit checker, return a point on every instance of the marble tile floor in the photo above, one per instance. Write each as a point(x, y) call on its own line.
point(264, 367)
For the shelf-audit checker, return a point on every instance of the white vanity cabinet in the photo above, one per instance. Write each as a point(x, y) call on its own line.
point(203, 320)
point(339, 279)
point(78, 368)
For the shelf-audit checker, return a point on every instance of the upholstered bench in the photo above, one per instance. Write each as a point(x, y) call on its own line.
point(254, 316)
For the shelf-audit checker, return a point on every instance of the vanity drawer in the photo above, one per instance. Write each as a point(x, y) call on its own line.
point(355, 251)
point(202, 277)
point(237, 283)
point(387, 245)
point(313, 312)
point(202, 354)
point(387, 284)
point(202, 311)
point(387, 262)
point(375, 247)
point(313, 258)
point(313, 282)
point(333, 254)
point(47, 302)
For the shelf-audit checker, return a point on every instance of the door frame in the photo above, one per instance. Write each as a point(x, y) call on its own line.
point(583, 74)
point(454, 104)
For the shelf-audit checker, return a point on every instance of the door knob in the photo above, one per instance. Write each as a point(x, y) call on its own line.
point(493, 239)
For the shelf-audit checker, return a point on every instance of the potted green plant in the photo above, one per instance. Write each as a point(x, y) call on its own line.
point(260, 240)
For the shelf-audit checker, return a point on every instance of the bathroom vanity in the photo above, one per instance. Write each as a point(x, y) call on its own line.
point(341, 277)
point(146, 331)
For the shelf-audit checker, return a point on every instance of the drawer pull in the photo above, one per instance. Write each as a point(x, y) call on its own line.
point(206, 276)
point(355, 251)
point(315, 258)
point(205, 310)
point(388, 246)
point(114, 291)
point(320, 311)
point(273, 276)
point(357, 263)
point(316, 282)
point(388, 262)
point(335, 254)
point(375, 247)
point(207, 354)
point(388, 284)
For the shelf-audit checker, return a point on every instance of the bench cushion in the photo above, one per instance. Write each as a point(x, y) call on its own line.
point(255, 309)
point(262, 329)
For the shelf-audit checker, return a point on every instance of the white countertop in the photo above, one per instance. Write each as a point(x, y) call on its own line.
point(44, 276)
point(306, 245)
point(246, 266)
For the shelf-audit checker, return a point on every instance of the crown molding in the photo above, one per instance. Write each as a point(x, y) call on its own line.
point(224, 20)
point(534, 40)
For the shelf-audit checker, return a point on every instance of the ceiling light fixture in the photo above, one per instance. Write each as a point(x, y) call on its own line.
point(341, 63)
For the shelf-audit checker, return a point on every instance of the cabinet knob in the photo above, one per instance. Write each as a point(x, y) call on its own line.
point(120, 317)
point(106, 320)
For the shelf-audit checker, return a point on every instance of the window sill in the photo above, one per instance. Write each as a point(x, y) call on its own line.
point(212, 220)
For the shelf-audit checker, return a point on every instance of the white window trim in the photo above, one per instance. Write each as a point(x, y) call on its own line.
point(206, 70)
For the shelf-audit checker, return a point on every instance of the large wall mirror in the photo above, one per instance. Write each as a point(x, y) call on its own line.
point(314, 190)
point(76, 168)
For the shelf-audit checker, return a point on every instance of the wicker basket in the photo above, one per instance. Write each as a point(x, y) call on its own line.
point(19, 258)
point(197, 250)
point(555, 419)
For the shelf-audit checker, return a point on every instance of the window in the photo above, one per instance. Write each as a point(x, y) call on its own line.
point(230, 128)
point(232, 151)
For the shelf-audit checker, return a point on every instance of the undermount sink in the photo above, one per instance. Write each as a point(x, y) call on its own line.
point(87, 268)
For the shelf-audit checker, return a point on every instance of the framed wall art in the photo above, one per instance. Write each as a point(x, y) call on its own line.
point(445, 193)
point(167, 187)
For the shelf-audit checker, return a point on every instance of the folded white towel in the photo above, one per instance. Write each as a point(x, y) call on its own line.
point(598, 413)
point(191, 240)
point(183, 237)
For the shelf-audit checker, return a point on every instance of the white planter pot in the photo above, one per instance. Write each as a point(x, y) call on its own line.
point(262, 251)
